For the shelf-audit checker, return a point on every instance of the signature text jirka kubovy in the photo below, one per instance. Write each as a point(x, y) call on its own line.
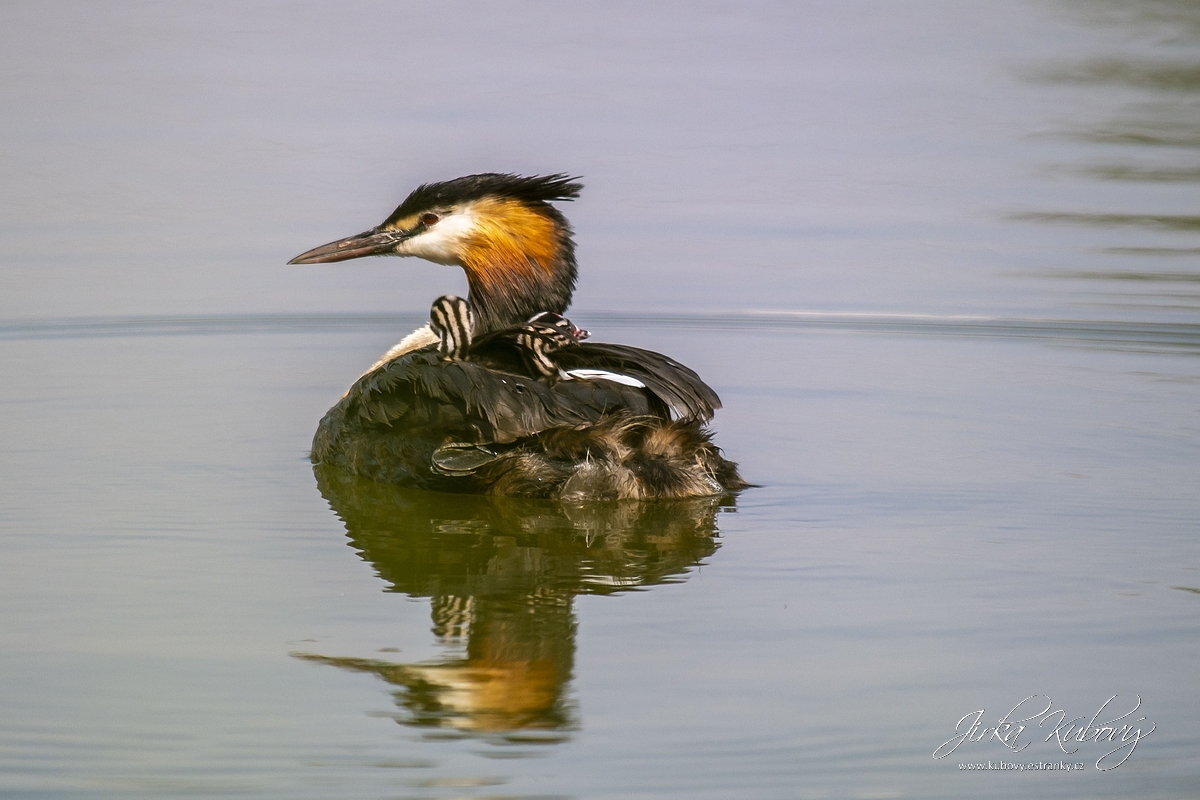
point(1067, 732)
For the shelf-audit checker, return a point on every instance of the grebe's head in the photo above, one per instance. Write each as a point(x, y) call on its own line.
point(515, 247)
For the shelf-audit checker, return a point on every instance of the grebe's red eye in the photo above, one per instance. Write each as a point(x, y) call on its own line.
point(429, 219)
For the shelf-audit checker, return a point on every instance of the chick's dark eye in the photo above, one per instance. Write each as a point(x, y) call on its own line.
point(429, 219)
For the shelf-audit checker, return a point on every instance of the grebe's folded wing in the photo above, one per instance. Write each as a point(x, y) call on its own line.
point(677, 386)
point(461, 397)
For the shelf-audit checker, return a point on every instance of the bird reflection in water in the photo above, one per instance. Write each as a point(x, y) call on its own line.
point(502, 575)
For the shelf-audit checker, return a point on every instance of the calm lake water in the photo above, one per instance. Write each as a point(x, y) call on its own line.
point(940, 259)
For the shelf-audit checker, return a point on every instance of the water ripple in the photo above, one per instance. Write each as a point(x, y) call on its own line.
point(1175, 335)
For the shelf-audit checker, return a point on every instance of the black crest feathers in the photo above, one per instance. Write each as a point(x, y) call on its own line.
point(536, 189)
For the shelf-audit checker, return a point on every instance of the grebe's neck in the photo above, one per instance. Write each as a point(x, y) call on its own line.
point(520, 261)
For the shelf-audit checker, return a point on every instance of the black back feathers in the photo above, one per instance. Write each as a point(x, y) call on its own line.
point(678, 387)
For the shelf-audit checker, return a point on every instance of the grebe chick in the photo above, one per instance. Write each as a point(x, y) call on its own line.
point(451, 320)
point(534, 342)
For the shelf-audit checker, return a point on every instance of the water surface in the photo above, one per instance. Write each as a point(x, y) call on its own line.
point(940, 260)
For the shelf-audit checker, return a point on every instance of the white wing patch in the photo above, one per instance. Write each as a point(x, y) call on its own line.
point(604, 375)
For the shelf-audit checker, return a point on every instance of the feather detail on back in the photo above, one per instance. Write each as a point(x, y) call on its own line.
point(680, 388)
point(467, 426)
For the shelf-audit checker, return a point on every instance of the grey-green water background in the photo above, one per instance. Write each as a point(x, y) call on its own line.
point(940, 259)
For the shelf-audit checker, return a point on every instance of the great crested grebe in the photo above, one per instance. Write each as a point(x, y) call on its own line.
point(498, 394)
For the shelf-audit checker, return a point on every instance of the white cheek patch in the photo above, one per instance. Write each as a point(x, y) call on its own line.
point(442, 243)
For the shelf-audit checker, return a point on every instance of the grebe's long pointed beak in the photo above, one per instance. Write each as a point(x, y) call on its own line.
point(374, 242)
